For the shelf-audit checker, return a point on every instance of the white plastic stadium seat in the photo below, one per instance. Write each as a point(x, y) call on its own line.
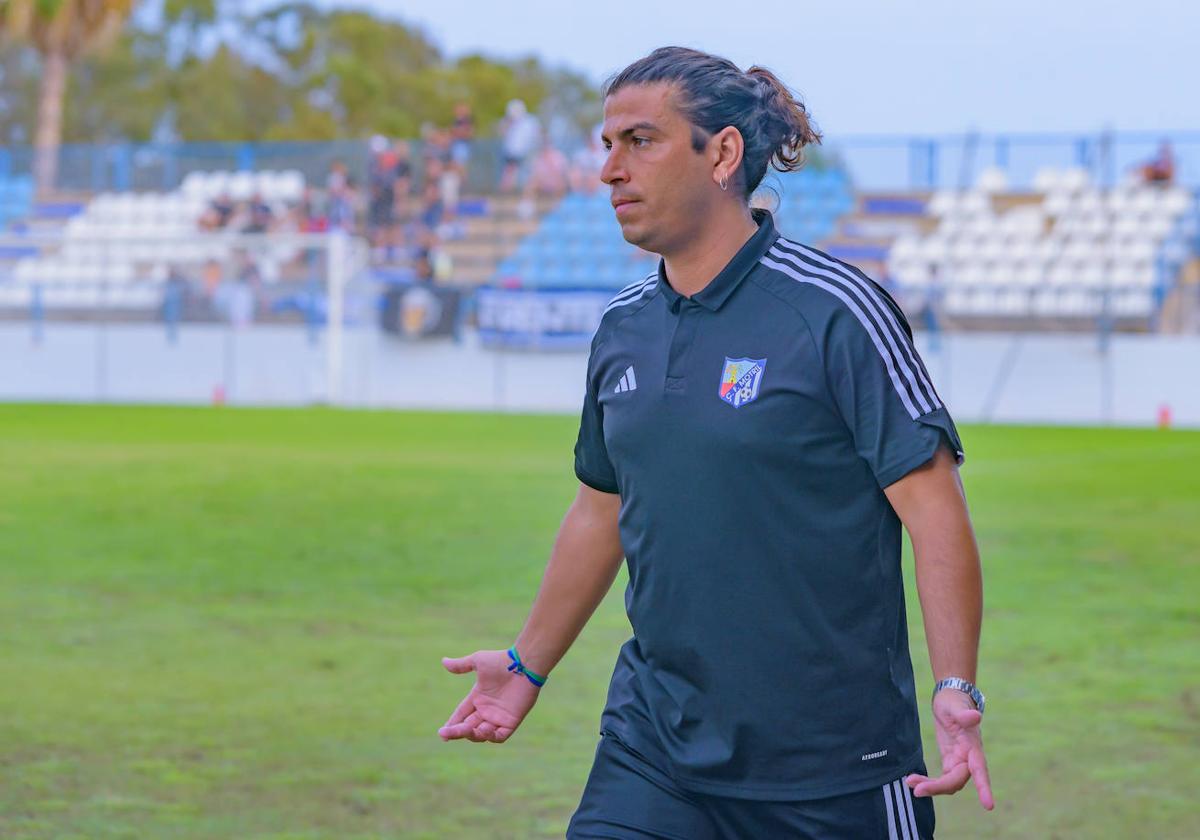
point(1118, 200)
point(992, 180)
point(1029, 274)
point(1079, 248)
point(1178, 200)
point(216, 183)
point(1029, 219)
point(975, 204)
point(1048, 248)
point(195, 185)
point(1057, 203)
point(957, 300)
point(291, 185)
point(1061, 275)
point(943, 203)
point(1074, 180)
point(1088, 202)
point(1046, 180)
point(241, 186)
point(905, 247)
point(16, 296)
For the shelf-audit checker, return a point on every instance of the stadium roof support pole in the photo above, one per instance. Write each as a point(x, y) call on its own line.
point(1002, 153)
point(98, 175)
point(922, 163)
point(245, 157)
point(337, 257)
point(1083, 153)
point(123, 167)
point(1107, 164)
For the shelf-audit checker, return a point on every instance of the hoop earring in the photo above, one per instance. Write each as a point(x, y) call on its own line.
point(724, 183)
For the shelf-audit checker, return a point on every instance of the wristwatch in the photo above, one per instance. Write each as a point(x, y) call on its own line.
point(964, 686)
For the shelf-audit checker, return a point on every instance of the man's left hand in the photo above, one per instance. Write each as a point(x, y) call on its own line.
point(961, 744)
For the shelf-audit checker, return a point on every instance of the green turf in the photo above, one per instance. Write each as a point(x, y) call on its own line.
point(227, 623)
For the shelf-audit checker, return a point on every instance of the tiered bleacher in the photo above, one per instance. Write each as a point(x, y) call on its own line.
point(1065, 250)
point(579, 244)
point(118, 251)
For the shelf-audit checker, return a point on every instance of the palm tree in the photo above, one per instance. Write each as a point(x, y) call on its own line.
point(61, 31)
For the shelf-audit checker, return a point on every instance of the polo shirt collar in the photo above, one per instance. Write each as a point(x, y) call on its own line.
point(730, 277)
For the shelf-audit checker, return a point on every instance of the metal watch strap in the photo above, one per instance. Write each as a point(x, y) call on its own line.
point(964, 686)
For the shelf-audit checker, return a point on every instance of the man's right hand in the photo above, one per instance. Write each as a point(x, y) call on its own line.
point(496, 704)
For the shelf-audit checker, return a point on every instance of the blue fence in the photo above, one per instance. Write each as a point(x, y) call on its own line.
point(877, 162)
point(887, 162)
point(163, 166)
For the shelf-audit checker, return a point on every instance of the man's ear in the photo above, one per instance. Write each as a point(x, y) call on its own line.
point(725, 150)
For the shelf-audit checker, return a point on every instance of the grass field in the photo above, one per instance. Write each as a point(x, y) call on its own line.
point(227, 624)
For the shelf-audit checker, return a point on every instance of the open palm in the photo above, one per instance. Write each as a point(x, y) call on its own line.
point(496, 704)
point(961, 743)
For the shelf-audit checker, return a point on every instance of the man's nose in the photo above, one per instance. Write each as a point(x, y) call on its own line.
point(612, 170)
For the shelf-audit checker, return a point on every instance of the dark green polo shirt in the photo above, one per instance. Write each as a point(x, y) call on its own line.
point(750, 431)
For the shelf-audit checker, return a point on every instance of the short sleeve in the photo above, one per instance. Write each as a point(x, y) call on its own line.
point(592, 465)
point(883, 391)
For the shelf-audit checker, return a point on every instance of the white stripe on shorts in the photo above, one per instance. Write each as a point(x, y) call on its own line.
point(912, 814)
point(891, 813)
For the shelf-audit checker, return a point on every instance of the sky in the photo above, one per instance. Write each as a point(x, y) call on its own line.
point(924, 67)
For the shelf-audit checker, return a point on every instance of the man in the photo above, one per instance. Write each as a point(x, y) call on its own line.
point(520, 133)
point(757, 424)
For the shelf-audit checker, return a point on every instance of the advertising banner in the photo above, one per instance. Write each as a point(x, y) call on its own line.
point(419, 311)
point(549, 319)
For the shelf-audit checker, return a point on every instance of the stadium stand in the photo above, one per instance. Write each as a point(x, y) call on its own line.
point(116, 251)
point(1067, 250)
point(275, 187)
point(578, 244)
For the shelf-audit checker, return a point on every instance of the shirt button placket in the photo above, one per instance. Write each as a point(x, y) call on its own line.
point(681, 343)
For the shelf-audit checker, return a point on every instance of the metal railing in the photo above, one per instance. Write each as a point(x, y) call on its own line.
point(875, 162)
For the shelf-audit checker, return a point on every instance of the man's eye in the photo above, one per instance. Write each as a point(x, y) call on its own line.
point(641, 141)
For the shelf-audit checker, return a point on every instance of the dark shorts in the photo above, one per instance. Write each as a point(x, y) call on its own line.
point(626, 798)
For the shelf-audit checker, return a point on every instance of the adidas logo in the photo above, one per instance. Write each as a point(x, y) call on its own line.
point(628, 382)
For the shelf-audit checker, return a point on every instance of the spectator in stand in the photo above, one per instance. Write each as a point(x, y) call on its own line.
point(520, 133)
point(260, 217)
point(402, 181)
point(219, 212)
point(237, 299)
point(1161, 168)
point(341, 197)
point(311, 213)
point(381, 205)
point(436, 145)
point(550, 176)
point(440, 168)
point(462, 134)
point(423, 267)
point(432, 209)
point(587, 163)
point(210, 277)
point(336, 179)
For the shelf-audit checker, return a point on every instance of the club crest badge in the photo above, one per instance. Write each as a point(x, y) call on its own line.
point(740, 380)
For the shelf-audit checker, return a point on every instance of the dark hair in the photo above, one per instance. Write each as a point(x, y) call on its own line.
point(713, 93)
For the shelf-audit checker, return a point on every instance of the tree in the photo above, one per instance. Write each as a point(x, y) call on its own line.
point(62, 31)
point(227, 70)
